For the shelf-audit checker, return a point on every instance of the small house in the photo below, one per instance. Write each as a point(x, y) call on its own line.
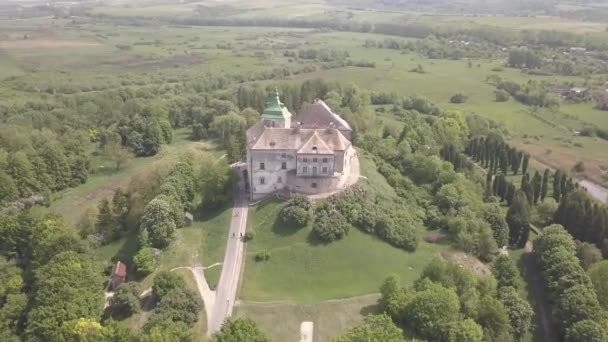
point(188, 219)
point(577, 94)
point(118, 275)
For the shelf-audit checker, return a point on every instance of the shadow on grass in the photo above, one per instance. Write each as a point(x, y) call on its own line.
point(209, 214)
point(373, 309)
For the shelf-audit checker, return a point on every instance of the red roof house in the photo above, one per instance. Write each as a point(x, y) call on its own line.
point(118, 275)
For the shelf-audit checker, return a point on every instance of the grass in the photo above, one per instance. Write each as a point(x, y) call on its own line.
point(72, 203)
point(302, 270)
point(330, 318)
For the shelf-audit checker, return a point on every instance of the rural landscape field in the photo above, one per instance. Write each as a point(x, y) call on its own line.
point(475, 210)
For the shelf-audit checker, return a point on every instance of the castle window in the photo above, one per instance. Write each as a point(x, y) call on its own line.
point(283, 155)
point(262, 166)
point(262, 180)
point(305, 160)
point(314, 170)
point(284, 165)
point(325, 160)
point(324, 169)
point(272, 143)
point(313, 185)
point(314, 148)
point(280, 179)
point(314, 160)
point(304, 169)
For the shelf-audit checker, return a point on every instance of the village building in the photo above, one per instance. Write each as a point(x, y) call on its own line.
point(309, 154)
point(118, 275)
point(576, 94)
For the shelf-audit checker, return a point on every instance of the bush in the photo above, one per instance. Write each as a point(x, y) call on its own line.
point(248, 236)
point(125, 301)
point(144, 261)
point(262, 256)
point(502, 95)
point(458, 98)
point(165, 282)
point(297, 212)
point(579, 167)
point(329, 223)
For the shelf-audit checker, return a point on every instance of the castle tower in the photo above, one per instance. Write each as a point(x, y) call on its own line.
point(276, 114)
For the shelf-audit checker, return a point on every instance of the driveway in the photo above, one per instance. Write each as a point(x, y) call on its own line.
point(233, 259)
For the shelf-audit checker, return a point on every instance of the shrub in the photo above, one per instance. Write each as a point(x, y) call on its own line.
point(502, 95)
point(298, 211)
point(329, 223)
point(144, 261)
point(579, 167)
point(165, 282)
point(262, 256)
point(458, 98)
point(248, 236)
point(125, 301)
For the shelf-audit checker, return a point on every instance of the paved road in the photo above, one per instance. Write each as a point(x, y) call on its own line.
point(231, 269)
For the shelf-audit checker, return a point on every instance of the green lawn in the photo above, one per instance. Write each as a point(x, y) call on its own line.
point(306, 272)
point(330, 318)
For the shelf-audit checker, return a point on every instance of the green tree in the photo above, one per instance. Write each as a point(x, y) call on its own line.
point(524, 165)
point(493, 318)
point(165, 282)
point(430, 310)
point(493, 214)
point(68, 278)
point(125, 301)
point(505, 272)
point(118, 154)
point(587, 331)
point(215, 183)
point(241, 329)
point(375, 328)
point(465, 331)
point(394, 297)
point(519, 311)
point(545, 185)
point(144, 261)
point(167, 331)
point(8, 189)
point(518, 219)
point(599, 276)
point(158, 222)
point(21, 170)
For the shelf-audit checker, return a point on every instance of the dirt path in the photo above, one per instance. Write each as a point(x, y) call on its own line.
point(543, 309)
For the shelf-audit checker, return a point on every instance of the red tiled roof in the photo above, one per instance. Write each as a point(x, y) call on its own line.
point(119, 269)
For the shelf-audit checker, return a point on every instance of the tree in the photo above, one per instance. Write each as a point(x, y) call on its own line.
point(536, 186)
point(493, 214)
point(21, 170)
point(144, 261)
point(215, 182)
point(298, 211)
point(118, 154)
point(393, 297)
point(493, 317)
point(374, 328)
point(587, 331)
point(430, 310)
point(11, 280)
point(125, 301)
point(105, 220)
point(505, 272)
point(178, 305)
point(165, 282)
point(519, 311)
point(557, 189)
point(599, 276)
point(518, 219)
point(524, 165)
point(158, 222)
point(167, 331)
point(8, 189)
point(241, 329)
point(501, 95)
point(545, 185)
point(67, 275)
point(465, 331)
point(588, 254)
point(575, 212)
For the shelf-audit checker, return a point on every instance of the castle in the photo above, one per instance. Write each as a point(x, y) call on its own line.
point(311, 154)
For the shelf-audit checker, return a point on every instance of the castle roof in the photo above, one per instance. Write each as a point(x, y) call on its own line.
point(319, 115)
point(315, 145)
point(275, 109)
point(326, 140)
